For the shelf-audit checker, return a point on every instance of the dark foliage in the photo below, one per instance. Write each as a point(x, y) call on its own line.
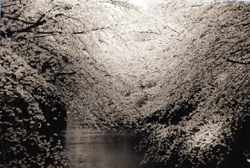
point(31, 116)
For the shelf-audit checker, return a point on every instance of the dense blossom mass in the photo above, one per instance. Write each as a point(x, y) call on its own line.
point(176, 71)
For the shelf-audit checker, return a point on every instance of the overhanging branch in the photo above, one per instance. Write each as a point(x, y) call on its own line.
point(27, 29)
point(238, 62)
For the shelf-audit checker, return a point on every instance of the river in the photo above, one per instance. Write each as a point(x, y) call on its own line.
point(93, 148)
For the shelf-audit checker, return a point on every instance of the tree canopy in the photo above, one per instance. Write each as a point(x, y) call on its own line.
point(176, 70)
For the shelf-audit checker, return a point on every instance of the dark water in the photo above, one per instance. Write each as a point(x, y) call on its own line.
point(89, 148)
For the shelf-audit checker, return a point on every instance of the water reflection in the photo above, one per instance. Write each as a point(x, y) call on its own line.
point(91, 148)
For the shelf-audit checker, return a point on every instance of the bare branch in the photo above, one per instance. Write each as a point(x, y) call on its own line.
point(238, 62)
